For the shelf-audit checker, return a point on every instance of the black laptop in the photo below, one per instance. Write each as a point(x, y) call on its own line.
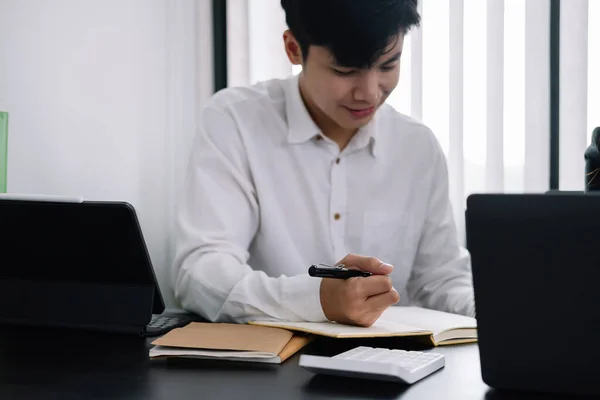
point(78, 264)
point(536, 273)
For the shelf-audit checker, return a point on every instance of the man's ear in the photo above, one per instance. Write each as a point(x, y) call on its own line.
point(292, 48)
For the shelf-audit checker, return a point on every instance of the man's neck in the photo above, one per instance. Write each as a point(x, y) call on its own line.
point(341, 136)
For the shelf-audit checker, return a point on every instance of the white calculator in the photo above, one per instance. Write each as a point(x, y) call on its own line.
point(377, 363)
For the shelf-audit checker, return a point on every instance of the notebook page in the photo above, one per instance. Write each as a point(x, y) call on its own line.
point(246, 356)
point(173, 351)
point(434, 321)
point(380, 328)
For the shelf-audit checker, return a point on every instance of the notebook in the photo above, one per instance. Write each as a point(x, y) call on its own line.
point(440, 328)
point(233, 342)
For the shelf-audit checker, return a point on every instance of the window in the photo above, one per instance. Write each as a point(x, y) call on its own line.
point(478, 74)
point(593, 85)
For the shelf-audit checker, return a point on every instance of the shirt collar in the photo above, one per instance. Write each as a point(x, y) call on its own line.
point(367, 136)
point(302, 128)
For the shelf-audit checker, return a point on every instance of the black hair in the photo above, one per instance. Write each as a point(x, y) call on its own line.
point(357, 32)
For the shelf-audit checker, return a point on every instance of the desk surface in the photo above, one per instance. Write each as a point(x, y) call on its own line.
point(49, 364)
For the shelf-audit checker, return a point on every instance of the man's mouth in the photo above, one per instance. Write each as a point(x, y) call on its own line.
point(361, 112)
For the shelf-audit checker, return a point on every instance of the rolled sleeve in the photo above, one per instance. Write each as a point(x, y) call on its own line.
point(216, 221)
point(302, 294)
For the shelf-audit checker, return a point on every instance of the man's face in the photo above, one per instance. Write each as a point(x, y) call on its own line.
point(346, 96)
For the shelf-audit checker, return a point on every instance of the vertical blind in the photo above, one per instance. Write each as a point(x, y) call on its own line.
point(478, 74)
point(579, 86)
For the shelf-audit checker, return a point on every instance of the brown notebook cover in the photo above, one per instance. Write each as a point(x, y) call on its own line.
point(238, 342)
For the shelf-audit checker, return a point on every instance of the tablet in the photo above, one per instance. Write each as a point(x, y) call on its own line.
point(70, 240)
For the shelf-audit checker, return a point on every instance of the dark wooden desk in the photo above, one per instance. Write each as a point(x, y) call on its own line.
point(50, 364)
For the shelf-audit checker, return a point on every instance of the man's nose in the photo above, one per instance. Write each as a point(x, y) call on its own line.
point(367, 88)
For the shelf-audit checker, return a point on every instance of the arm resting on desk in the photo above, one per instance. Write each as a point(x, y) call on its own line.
point(216, 222)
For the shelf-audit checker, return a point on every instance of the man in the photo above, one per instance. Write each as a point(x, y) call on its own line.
point(317, 169)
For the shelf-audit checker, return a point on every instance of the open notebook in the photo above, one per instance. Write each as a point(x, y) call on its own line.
point(439, 327)
point(232, 342)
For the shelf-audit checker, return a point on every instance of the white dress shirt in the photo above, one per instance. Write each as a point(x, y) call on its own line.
point(266, 195)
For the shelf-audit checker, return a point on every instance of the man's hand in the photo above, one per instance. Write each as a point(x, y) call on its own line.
point(359, 301)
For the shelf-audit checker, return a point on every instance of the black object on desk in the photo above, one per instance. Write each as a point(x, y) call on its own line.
point(535, 272)
point(163, 323)
point(592, 163)
point(77, 265)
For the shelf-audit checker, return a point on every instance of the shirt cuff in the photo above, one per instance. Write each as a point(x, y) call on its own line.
point(301, 295)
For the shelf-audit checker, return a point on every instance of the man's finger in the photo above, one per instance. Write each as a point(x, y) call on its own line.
point(384, 300)
point(368, 264)
point(374, 285)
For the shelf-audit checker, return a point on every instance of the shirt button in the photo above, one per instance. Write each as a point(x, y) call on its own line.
point(337, 216)
point(337, 161)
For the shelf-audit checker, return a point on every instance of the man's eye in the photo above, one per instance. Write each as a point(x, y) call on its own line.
point(388, 68)
point(342, 73)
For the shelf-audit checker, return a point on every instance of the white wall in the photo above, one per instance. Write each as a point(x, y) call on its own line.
point(102, 96)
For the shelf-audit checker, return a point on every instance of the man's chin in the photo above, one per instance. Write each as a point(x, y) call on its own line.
point(356, 123)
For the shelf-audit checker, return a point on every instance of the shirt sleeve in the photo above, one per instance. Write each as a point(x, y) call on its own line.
point(216, 220)
point(441, 278)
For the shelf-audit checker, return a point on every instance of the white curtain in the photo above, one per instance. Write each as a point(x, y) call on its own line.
point(579, 86)
point(255, 49)
point(476, 72)
point(593, 75)
point(103, 98)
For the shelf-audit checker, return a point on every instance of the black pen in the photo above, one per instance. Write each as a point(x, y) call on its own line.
point(335, 272)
